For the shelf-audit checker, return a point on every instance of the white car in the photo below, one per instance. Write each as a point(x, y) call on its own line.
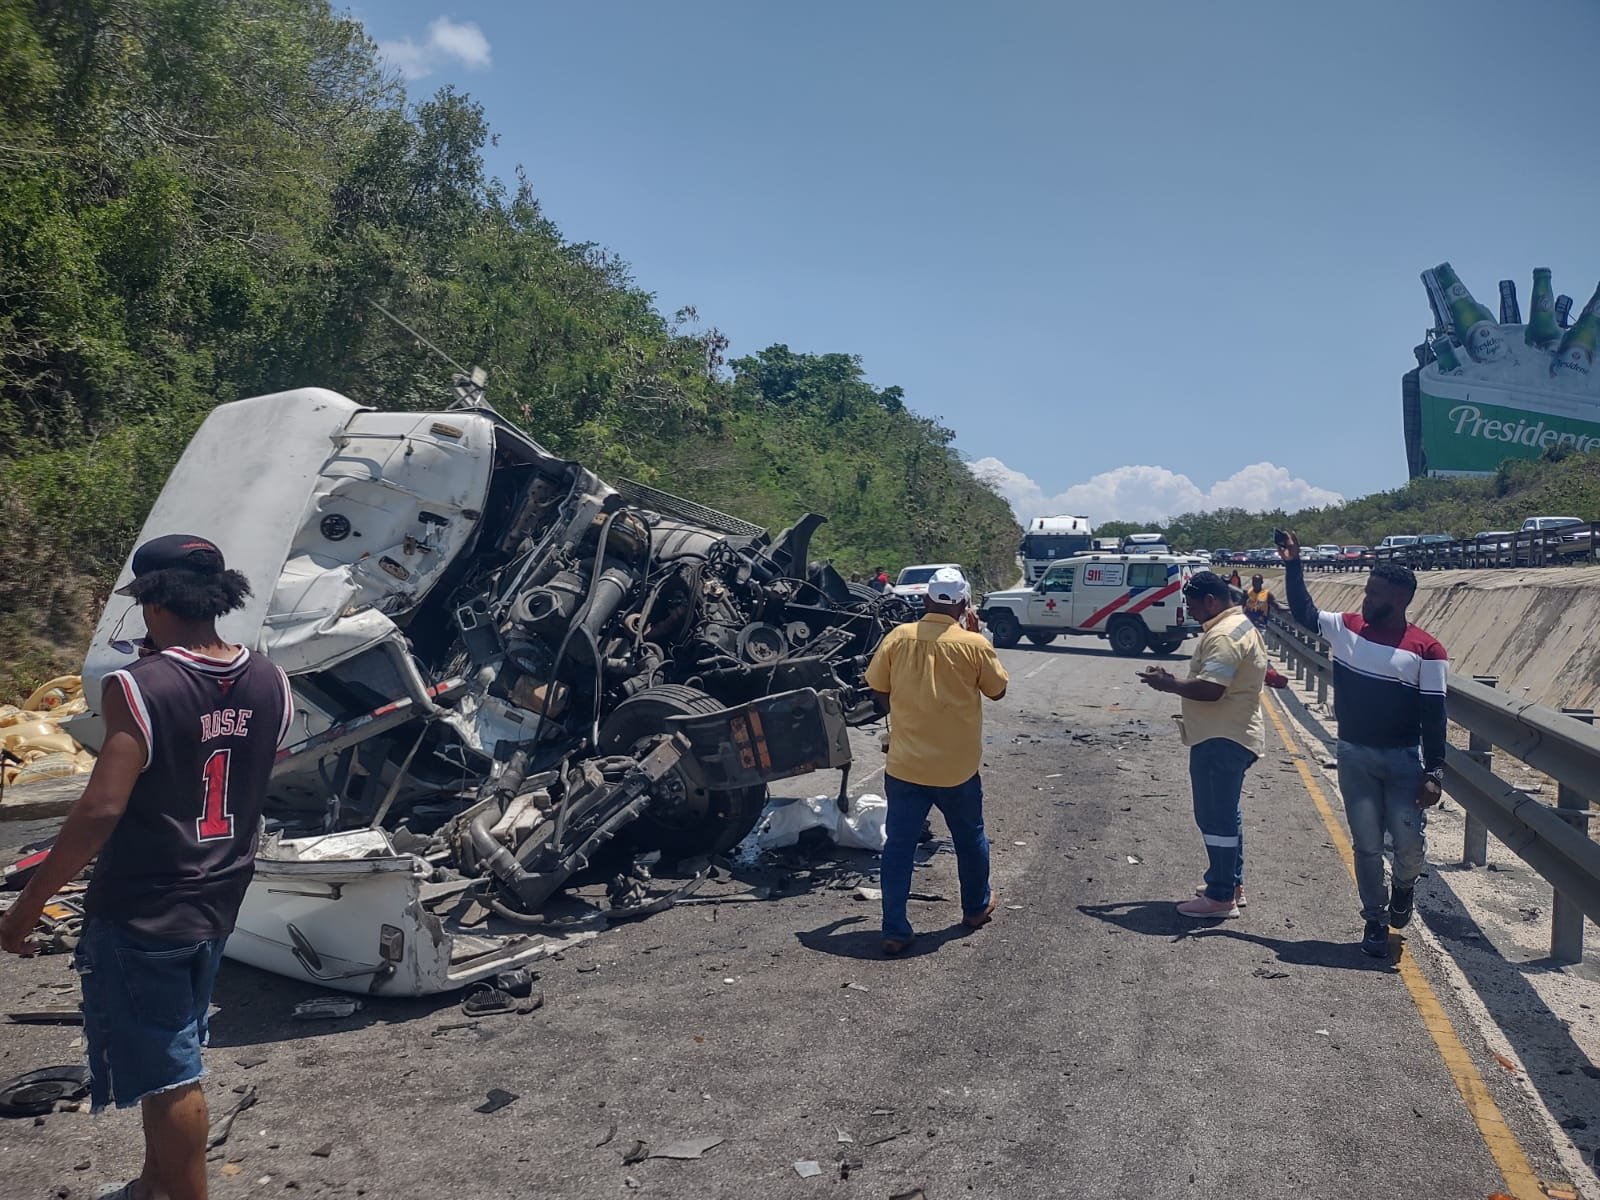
point(912, 582)
point(1135, 601)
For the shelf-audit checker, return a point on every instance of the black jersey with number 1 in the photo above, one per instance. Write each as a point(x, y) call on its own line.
point(177, 864)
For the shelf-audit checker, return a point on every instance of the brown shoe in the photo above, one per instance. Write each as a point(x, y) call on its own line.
point(894, 946)
point(979, 919)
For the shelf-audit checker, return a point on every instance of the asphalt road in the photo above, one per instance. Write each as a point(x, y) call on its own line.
point(1090, 1042)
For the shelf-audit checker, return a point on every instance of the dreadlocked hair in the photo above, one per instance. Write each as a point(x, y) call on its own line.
point(192, 595)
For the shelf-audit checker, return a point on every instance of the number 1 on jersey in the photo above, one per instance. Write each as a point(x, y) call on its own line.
point(216, 822)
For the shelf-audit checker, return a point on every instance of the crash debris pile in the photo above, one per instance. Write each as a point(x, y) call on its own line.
point(33, 746)
point(509, 676)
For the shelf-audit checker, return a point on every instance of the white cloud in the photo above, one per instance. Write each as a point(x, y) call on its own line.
point(1143, 493)
point(447, 41)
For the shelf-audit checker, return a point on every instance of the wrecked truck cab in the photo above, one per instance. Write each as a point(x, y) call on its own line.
point(505, 671)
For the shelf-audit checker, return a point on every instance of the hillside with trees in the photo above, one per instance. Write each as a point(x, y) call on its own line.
point(202, 200)
point(1561, 483)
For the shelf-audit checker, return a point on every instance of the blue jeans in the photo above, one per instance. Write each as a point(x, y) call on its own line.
point(1216, 775)
point(909, 804)
point(144, 1010)
point(1379, 785)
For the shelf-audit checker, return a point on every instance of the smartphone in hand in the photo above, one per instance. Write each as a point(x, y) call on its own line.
point(1280, 538)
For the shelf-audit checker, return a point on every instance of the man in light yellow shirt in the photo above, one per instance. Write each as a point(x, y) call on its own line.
point(1221, 725)
point(931, 677)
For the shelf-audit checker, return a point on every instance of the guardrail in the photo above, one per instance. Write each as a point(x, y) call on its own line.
point(1565, 745)
point(1566, 546)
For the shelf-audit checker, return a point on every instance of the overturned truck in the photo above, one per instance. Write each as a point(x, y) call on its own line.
point(505, 671)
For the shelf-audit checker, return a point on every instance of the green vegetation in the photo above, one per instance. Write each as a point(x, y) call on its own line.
point(201, 200)
point(1562, 483)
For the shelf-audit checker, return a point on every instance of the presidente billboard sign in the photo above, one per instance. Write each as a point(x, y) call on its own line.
point(1503, 389)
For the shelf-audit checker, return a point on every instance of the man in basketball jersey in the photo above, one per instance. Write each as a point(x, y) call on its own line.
point(172, 811)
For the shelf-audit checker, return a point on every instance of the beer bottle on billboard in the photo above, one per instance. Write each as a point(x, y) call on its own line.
point(1510, 314)
point(1444, 349)
point(1563, 309)
point(1576, 354)
point(1542, 329)
point(1441, 314)
point(1474, 325)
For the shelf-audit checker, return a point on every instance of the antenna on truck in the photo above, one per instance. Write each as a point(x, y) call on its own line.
point(468, 385)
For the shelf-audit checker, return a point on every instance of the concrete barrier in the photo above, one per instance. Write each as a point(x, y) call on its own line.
point(1537, 630)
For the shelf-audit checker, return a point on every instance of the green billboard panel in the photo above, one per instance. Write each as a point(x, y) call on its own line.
point(1469, 429)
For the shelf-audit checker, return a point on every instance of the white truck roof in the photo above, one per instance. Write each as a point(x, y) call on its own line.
point(1061, 524)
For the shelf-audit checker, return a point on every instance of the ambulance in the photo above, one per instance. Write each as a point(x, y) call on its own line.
point(1135, 601)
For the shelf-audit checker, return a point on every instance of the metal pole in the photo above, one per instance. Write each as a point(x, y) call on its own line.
point(1566, 918)
point(1475, 841)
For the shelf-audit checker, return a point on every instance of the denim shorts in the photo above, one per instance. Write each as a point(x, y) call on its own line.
point(144, 1010)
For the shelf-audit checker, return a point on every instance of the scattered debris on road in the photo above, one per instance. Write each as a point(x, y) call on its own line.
point(222, 1126)
point(326, 1008)
point(688, 1148)
point(808, 1169)
point(35, 1093)
point(497, 1099)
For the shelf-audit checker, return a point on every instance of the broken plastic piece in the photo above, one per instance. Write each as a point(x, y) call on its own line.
point(807, 1169)
point(516, 982)
point(688, 1147)
point(223, 1125)
point(326, 1008)
point(497, 1099)
point(35, 1093)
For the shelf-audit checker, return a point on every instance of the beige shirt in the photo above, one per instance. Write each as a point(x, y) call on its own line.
point(1231, 653)
point(935, 676)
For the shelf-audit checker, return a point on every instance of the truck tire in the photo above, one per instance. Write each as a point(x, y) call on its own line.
point(1041, 639)
point(1007, 633)
point(1128, 636)
point(685, 818)
point(1166, 645)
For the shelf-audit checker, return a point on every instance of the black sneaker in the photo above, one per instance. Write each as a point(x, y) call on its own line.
point(1375, 941)
point(1400, 900)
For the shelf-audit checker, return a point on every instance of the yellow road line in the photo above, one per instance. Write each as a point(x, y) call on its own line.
point(1503, 1146)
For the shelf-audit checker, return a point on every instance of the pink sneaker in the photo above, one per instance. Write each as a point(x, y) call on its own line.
point(1204, 906)
point(1238, 895)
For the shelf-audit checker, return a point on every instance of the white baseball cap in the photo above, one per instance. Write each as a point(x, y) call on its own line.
point(947, 586)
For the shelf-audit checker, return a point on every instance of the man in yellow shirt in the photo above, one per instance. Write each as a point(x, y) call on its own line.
point(1222, 727)
point(1259, 602)
point(931, 677)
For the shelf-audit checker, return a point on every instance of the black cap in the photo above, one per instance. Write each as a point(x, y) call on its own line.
point(174, 551)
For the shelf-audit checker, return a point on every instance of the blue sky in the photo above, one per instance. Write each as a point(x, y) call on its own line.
point(1141, 258)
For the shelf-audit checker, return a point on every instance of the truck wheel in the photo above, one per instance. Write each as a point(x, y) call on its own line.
point(1007, 633)
point(1128, 637)
point(685, 818)
point(1041, 639)
point(1166, 645)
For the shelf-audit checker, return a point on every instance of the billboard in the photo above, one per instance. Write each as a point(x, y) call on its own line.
point(1489, 390)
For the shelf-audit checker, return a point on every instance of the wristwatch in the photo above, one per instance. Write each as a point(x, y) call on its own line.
point(1436, 775)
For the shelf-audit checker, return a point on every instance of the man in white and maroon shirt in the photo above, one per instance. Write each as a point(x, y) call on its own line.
point(1388, 699)
point(172, 811)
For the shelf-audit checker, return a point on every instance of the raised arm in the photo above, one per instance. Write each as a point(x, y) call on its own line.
point(1301, 604)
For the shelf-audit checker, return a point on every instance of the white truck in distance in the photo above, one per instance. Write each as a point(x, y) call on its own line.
point(1133, 600)
point(1048, 540)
